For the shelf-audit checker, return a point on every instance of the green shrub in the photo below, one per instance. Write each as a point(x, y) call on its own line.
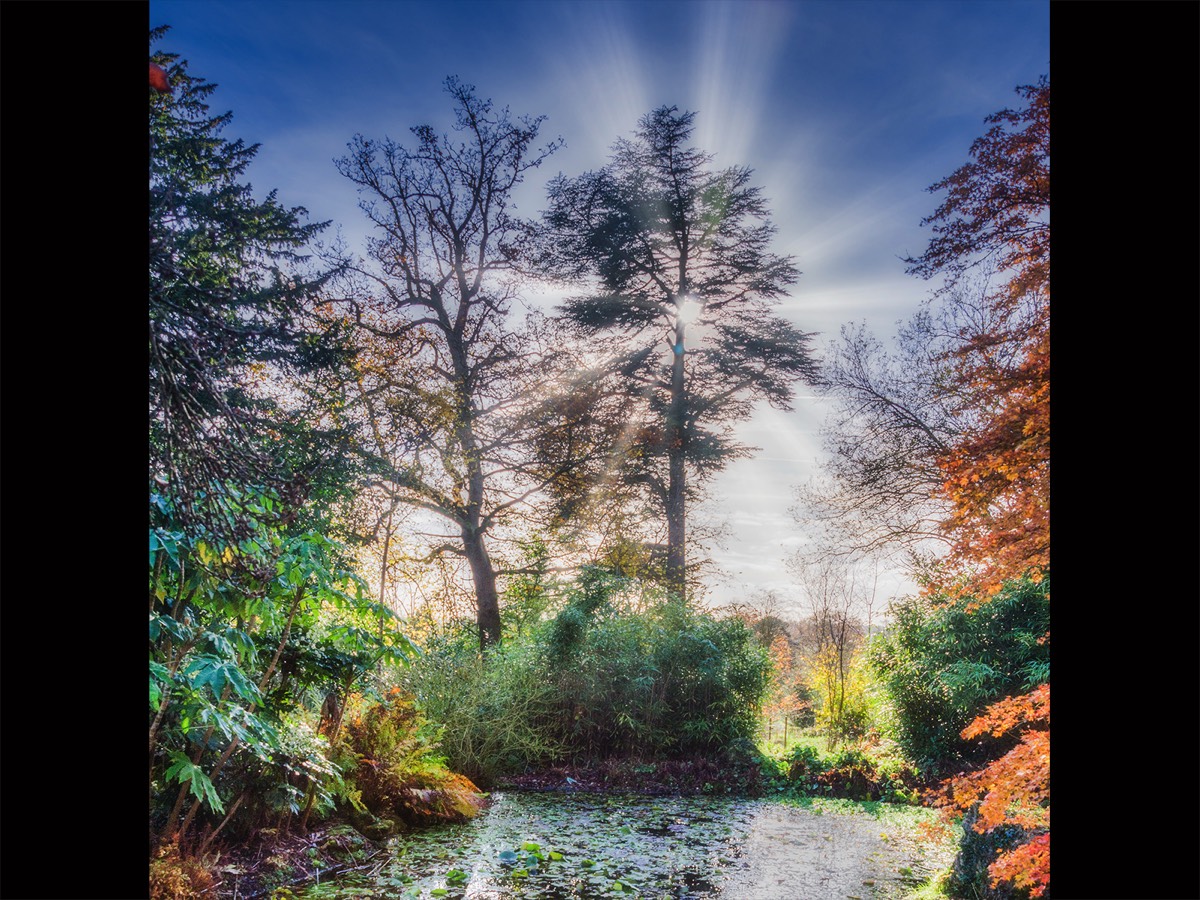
point(242, 635)
point(598, 680)
point(493, 712)
point(850, 774)
point(667, 681)
point(942, 663)
point(804, 762)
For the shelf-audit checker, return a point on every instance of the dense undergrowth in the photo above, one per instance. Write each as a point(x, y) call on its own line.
point(611, 688)
point(598, 680)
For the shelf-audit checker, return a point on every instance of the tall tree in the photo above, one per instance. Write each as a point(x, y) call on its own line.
point(676, 250)
point(997, 475)
point(447, 254)
point(886, 426)
point(996, 213)
point(896, 414)
point(945, 441)
point(247, 608)
point(228, 292)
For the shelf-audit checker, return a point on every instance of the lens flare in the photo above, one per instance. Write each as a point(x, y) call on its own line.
point(689, 310)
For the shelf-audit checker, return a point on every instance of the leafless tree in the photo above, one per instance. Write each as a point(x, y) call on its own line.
point(450, 380)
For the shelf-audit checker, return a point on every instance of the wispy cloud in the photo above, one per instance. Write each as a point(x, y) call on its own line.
point(846, 112)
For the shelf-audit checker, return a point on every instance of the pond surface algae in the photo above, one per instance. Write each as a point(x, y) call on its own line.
point(547, 846)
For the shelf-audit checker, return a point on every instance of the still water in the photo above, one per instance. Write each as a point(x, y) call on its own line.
point(558, 846)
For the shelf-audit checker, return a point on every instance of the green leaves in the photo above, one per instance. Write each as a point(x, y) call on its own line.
point(273, 609)
point(651, 237)
point(215, 673)
point(943, 664)
point(159, 675)
point(229, 298)
point(186, 772)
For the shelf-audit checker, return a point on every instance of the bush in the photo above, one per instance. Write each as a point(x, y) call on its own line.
point(850, 774)
point(598, 681)
point(943, 661)
point(804, 762)
point(493, 713)
point(664, 682)
point(241, 636)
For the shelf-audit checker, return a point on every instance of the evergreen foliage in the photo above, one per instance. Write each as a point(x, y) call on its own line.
point(228, 289)
point(942, 663)
point(674, 251)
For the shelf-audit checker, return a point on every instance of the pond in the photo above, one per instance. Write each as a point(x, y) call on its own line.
point(551, 846)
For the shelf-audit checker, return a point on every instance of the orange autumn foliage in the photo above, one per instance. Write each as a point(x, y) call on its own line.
point(1027, 866)
point(1014, 789)
point(997, 475)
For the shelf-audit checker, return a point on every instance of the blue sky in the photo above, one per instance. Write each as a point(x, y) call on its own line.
point(847, 111)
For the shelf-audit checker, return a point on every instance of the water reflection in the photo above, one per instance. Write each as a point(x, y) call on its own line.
point(569, 846)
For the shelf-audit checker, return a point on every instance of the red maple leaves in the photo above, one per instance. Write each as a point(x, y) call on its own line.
point(997, 476)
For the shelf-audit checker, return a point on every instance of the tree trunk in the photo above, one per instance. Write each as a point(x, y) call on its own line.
point(676, 513)
point(486, 596)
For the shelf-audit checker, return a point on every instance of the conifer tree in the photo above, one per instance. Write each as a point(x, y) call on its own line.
point(683, 284)
point(228, 290)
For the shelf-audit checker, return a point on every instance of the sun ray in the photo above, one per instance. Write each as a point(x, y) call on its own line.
point(738, 49)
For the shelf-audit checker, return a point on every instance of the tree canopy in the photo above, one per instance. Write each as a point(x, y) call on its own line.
point(452, 368)
point(229, 290)
point(997, 213)
point(684, 282)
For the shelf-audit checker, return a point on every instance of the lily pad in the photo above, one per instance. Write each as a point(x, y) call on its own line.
point(740, 847)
